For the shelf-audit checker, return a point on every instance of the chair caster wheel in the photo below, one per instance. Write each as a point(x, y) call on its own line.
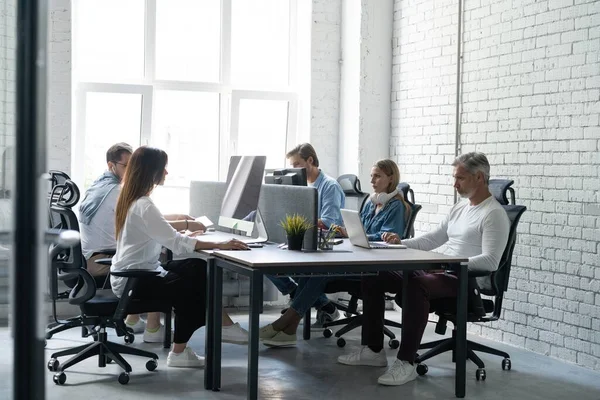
point(59, 378)
point(422, 369)
point(327, 333)
point(480, 374)
point(129, 338)
point(124, 378)
point(394, 343)
point(53, 365)
point(341, 342)
point(151, 365)
point(506, 364)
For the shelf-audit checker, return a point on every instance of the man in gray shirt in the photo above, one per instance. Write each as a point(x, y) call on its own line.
point(476, 227)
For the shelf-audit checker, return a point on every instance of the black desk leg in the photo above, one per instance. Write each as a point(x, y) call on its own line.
point(210, 323)
point(256, 287)
point(306, 328)
point(217, 322)
point(461, 331)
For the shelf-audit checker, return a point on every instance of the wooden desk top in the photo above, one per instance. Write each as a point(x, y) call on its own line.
point(346, 254)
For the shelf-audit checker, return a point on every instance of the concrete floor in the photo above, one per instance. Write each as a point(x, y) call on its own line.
point(308, 372)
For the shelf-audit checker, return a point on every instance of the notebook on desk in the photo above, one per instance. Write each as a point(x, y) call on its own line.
point(358, 236)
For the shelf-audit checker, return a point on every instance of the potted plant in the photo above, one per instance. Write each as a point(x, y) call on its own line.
point(295, 227)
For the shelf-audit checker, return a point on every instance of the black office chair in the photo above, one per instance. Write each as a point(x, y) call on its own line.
point(493, 284)
point(138, 307)
point(66, 260)
point(100, 309)
point(352, 286)
point(500, 188)
point(355, 197)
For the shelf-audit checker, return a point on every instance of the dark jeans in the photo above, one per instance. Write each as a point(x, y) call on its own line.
point(184, 288)
point(423, 287)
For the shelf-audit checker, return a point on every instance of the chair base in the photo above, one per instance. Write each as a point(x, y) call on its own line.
point(356, 321)
point(441, 346)
point(105, 350)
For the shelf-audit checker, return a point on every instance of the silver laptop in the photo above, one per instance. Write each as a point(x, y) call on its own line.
point(357, 235)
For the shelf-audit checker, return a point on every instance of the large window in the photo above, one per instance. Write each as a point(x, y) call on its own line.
point(202, 80)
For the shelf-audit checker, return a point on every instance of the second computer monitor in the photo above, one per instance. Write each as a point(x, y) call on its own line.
point(287, 176)
point(244, 180)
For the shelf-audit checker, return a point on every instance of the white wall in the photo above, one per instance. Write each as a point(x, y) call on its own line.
point(325, 82)
point(349, 126)
point(59, 86)
point(366, 86)
point(531, 102)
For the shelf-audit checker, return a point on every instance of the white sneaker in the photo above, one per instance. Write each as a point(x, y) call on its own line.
point(322, 318)
point(138, 327)
point(398, 374)
point(234, 334)
point(186, 359)
point(155, 337)
point(364, 356)
point(281, 339)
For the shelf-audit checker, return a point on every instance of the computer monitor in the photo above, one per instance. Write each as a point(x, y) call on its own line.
point(287, 176)
point(244, 180)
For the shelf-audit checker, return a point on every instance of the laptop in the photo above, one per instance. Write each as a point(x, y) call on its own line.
point(357, 235)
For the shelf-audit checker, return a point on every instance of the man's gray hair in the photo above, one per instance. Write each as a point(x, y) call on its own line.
point(474, 162)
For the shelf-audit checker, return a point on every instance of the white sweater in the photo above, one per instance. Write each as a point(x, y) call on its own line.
point(139, 245)
point(479, 232)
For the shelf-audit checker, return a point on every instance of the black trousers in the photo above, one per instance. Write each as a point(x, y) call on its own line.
point(184, 288)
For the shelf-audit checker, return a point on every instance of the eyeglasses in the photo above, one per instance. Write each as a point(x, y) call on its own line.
point(124, 165)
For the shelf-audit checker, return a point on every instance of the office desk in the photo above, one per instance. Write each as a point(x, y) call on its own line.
point(346, 260)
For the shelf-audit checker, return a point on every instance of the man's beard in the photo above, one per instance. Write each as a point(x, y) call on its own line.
point(466, 195)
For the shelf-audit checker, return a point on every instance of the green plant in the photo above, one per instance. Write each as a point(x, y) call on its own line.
point(295, 225)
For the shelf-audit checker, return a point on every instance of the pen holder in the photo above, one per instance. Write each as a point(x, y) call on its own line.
point(326, 240)
point(326, 245)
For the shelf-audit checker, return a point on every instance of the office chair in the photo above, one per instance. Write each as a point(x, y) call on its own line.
point(138, 307)
point(100, 309)
point(499, 189)
point(491, 284)
point(353, 318)
point(70, 258)
point(355, 197)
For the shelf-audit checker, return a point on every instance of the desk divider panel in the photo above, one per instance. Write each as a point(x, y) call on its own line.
point(275, 202)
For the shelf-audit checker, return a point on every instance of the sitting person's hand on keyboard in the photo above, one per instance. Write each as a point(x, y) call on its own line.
point(391, 237)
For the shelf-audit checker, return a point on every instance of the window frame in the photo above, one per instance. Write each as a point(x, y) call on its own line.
point(229, 96)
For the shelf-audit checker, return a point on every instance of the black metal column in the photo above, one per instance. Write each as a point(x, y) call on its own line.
point(29, 366)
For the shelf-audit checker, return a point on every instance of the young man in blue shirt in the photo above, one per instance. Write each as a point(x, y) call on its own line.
point(331, 199)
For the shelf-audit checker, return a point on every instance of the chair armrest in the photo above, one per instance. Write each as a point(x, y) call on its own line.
point(140, 273)
point(472, 274)
point(108, 252)
point(478, 274)
point(104, 261)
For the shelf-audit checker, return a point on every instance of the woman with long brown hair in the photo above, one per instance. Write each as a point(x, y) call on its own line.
point(141, 231)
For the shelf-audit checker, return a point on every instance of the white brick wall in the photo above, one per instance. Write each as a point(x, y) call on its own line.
point(7, 85)
point(423, 101)
point(325, 82)
point(59, 86)
point(530, 101)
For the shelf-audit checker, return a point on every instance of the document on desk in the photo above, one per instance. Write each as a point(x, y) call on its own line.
point(204, 221)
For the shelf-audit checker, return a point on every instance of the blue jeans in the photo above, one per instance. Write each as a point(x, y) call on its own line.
point(286, 285)
point(310, 293)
